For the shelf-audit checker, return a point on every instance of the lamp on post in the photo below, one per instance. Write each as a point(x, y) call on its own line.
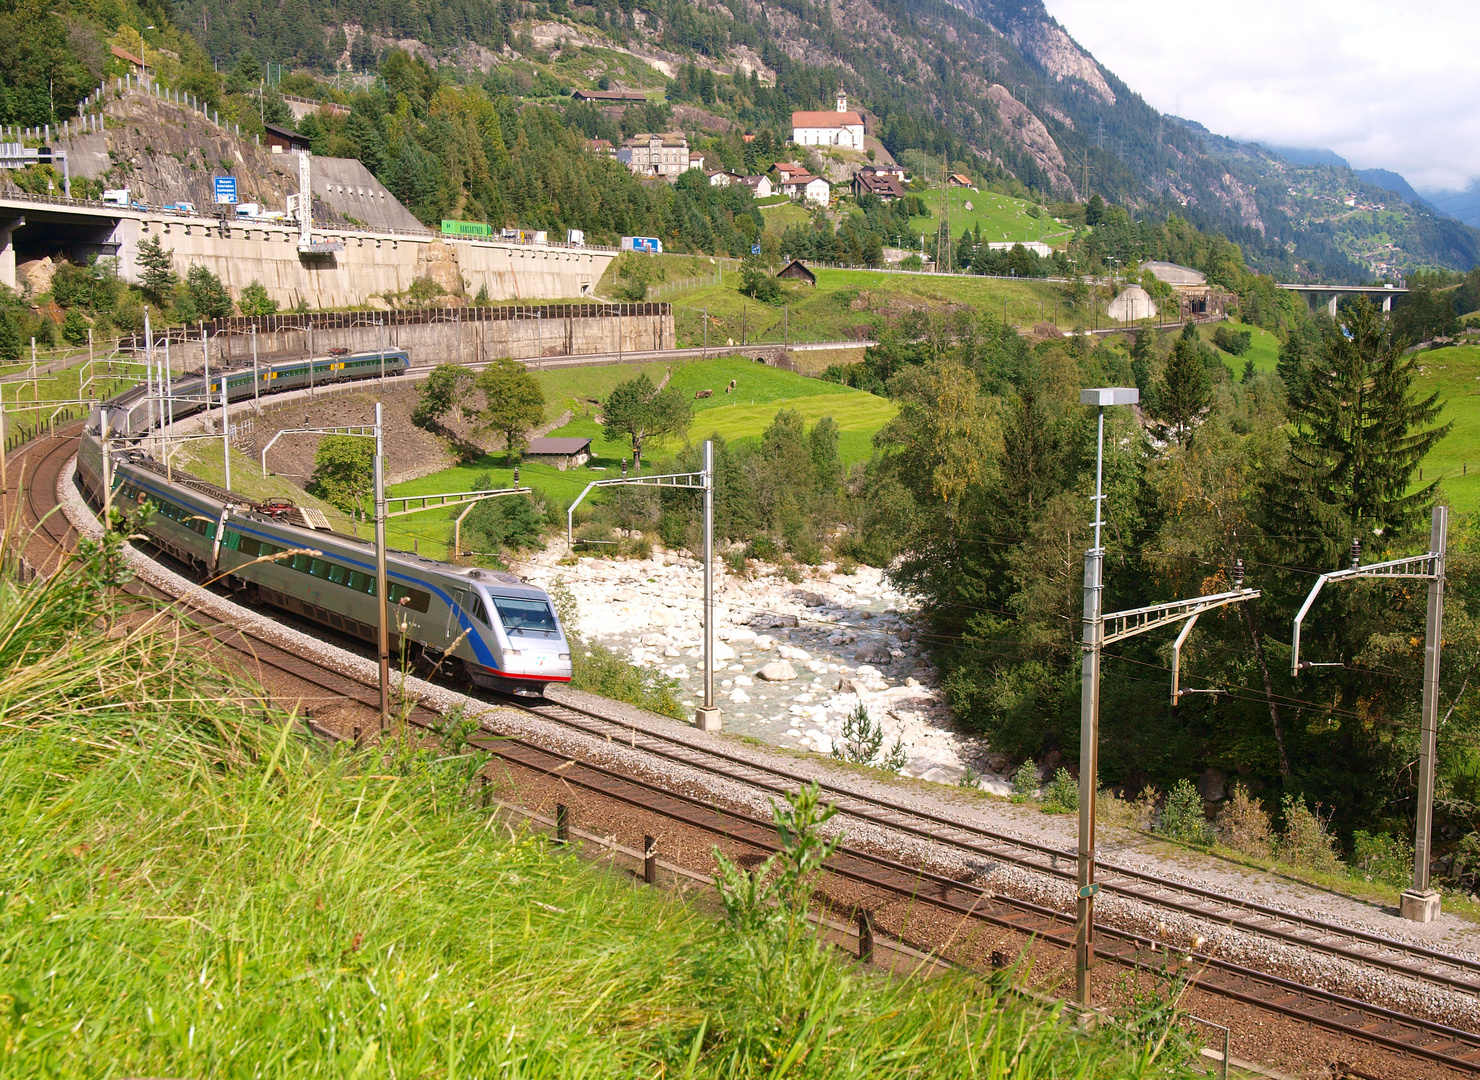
point(1089, 709)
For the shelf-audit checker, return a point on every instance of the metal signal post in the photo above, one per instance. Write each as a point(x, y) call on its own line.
point(1420, 903)
point(706, 716)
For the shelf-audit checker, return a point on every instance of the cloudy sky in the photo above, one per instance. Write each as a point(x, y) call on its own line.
point(1385, 85)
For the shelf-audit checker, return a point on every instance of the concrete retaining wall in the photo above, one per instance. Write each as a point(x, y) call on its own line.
point(458, 335)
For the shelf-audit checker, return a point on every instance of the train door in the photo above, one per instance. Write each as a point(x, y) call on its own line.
point(459, 600)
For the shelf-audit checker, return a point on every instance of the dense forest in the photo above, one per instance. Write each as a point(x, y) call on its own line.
point(978, 497)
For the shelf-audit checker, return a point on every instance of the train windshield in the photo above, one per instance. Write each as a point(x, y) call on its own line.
point(525, 616)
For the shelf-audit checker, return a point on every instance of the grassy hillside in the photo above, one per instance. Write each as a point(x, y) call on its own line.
point(1000, 217)
point(761, 392)
point(846, 303)
point(195, 889)
point(1455, 373)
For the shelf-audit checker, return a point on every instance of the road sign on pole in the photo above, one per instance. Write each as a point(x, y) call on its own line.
point(225, 189)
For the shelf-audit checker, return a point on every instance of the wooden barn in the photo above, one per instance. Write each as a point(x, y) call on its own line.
point(796, 271)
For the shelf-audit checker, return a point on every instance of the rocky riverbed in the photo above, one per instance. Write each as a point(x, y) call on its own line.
point(793, 659)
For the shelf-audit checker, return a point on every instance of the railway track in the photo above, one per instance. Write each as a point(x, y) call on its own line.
point(1261, 920)
point(1406, 1035)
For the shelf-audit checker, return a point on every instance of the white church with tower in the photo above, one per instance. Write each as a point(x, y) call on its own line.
point(841, 127)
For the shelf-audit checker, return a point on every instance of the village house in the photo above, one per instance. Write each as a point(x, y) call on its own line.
point(882, 184)
point(608, 97)
point(841, 127)
point(797, 183)
point(760, 186)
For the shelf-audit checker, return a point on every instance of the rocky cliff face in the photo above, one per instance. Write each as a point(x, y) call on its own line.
point(167, 153)
point(1028, 132)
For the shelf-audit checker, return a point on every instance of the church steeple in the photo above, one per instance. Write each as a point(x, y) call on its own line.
point(842, 99)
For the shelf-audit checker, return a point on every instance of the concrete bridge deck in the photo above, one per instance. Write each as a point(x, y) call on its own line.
point(1330, 294)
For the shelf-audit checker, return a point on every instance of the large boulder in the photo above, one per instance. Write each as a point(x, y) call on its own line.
point(872, 654)
point(812, 599)
point(1212, 785)
point(777, 671)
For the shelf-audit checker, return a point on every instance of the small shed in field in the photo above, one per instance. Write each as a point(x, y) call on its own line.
point(562, 453)
point(795, 271)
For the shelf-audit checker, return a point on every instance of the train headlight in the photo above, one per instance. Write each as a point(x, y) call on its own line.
point(565, 656)
point(513, 652)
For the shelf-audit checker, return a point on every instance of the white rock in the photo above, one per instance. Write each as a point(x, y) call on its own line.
point(726, 683)
point(653, 639)
point(672, 650)
point(815, 666)
point(777, 671)
point(764, 642)
point(744, 680)
point(723, 652)
point(789, 652)
point(738, 696)
point(740, 635)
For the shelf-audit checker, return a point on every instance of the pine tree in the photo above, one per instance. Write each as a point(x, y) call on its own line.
point(1293, 367)
point(1183, 392)
point(1360, 435)
point(10, 339)
point(157, 274)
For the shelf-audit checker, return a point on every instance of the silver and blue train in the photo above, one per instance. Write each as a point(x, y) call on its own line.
point(503, 632)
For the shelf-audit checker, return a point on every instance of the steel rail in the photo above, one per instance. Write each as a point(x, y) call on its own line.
point(868, 808)
point(1334, 1012)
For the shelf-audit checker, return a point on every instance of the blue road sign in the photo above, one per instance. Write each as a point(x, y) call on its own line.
point(226, 189)
point(755, 249)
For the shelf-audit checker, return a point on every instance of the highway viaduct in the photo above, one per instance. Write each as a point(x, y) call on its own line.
point(1328, 295)
point(363, 263)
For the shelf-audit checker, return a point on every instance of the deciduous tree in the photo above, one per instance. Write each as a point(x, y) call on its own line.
point(638, 411)
point(343, 471)
point(514, 402)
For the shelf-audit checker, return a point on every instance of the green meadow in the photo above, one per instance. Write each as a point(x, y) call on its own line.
point(1000, 217)
point(845, 304)
point(1455, 374)
point(196, 888)
point(760, 393)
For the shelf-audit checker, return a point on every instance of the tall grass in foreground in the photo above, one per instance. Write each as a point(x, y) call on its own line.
point(191, 889)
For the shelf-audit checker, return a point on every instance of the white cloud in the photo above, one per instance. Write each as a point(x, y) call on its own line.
point(1385, 85)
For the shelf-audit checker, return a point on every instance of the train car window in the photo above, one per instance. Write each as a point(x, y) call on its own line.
point(414, 599)
point(338, 574)
point(301, 562)
point(525, 616)
point(475, 608)
point(249, 546)
point(232, 540)
point(364, 583)
point(319, 569)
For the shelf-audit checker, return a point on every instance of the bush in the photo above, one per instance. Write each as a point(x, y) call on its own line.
point(1380, 857)
point(1244, 826)
point(1182, 817)
point(74, 328)
point(1235, 342)
point(1025, 782)
point(862, 742)
point(1062, 794)
point(763, 548)
point(509, 522)
point(255, 300)
point(1306, 841)
point(757, 282)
